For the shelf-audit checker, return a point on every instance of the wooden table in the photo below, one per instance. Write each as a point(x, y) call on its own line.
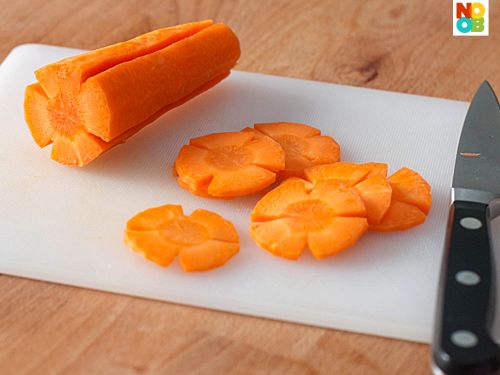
point(395, 45)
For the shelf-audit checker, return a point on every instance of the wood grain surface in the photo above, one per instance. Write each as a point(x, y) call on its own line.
point(395, 45)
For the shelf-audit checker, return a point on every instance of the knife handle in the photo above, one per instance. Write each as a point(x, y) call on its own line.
point(465, 310)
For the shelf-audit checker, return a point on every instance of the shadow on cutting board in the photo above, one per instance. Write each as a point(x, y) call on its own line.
point(150, 154)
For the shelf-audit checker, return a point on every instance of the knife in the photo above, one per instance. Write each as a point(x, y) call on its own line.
point(462, 341)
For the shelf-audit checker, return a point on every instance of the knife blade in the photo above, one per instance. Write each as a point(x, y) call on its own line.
point(462, 342)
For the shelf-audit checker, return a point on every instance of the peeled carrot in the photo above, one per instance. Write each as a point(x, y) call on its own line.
point(304, 146)
point(89, 103)
point(202, 240)
point(326, 217)
point(226, 165)
point(65, 77)
point(410, 204)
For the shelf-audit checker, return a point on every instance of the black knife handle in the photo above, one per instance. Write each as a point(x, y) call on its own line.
point(465, 310)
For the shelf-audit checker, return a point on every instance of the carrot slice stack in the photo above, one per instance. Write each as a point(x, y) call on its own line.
point(368, 179)
point(203, 240)
point(304, 146)
point(410, 204)
point(326, 217)
point(226, 165)
point(86, 104)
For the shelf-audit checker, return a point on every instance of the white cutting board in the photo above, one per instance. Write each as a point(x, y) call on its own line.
point(65, 224)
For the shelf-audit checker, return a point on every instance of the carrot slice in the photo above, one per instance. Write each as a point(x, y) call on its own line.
point(203, 240)
point(376, 193)
point(304, 146)
point(344, 200)
point(400, 216)
point(342, 233)
point(101, 98)
point(409, 187)
point(226, 165)
point(411, 202)
point(273, 205)
point(207, 255)
point(348, 173)
point(376, 169)
point(279, 238)
point(299, 214)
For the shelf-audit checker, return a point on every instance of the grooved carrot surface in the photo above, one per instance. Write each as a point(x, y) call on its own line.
point(202, 240)
point(304, 146)
point(87, 104)
point(226, 165)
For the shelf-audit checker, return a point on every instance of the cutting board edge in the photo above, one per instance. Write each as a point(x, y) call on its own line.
point(388, 331)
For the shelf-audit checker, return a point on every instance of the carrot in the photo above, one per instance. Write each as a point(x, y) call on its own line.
point(326, 217)
point(409, 187)
point(410, 204)
point(348, 173)
point(226, 165)
point(368, 179)
point(376, 193)
point(304, 146)
point(376, 169)
point(203, 240)
point(66, 76)
point(89, 103)
point(399, 216)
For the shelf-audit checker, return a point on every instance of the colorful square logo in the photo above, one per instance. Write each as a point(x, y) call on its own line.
point(471, 18)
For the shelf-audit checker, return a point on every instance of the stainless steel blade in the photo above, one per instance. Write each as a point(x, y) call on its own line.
point(477, 166)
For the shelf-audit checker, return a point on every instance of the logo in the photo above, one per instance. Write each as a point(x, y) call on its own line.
point(470, 18)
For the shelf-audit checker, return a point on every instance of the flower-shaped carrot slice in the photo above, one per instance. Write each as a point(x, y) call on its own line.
point(369, 179)
point(304, 146)
point(376, 193)
point(327, 217)
point(227, 165)
point(411, 202)
point(348, 173)
point(203, 240)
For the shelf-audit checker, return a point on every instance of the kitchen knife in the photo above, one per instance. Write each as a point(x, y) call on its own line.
point(465, 311)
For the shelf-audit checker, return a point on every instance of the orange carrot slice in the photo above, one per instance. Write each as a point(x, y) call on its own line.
point(399, 216)
point(369, 179)
point(376, 169)
point(89, 103)
point(231, 164)
point(203, 240)
point(304, 146)
point(348, 173)
point(376, 193)
point(411, 202)
point(409, 187)
point(326, 217)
